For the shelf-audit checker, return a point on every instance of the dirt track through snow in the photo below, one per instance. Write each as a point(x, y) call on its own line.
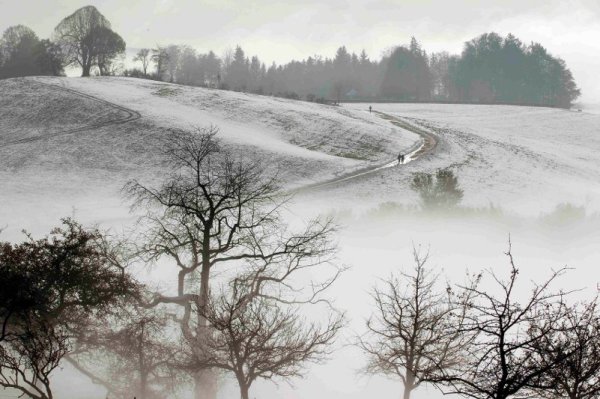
point(130, 115)
point(427, 145)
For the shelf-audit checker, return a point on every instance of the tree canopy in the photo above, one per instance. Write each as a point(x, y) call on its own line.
point(22, 53)
point(87, 40)
point(50, 289)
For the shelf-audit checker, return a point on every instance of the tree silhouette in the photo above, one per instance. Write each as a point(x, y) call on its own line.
point(87, 39)
point(417, 332)
point(501, 361)
point(262, 338)
point(143, 56)
point(574, 347)
point(54, 286)
point(214, 210)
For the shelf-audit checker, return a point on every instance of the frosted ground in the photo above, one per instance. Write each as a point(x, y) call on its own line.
point(307, 142)
point(64, 153)
point(526, 159)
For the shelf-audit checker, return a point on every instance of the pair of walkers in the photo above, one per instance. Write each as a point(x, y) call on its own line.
point(400, 155)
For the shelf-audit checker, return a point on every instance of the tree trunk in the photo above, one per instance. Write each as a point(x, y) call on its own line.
point(244, 387)
point(205, 385)
point(245, 391)
point(409, 384)
point(86, 70)
point(143, 383)
point(205, 381)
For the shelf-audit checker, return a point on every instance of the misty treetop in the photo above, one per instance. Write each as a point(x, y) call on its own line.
point(22, 53)
point(87, 40)
point(496, 69)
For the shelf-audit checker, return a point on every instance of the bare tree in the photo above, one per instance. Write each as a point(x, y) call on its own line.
point(218, 209)
point(263, 338)
point(502, 360)
point(574, 350)
point(134, 353)
point(30, 355)
point(143, 56)
point(417, 332)
point(174, 53)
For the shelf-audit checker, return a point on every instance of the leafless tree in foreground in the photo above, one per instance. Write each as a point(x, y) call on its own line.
point(417, 331)
point(263, 338)
point(134, 353)
point(28, 357)
point(575, 348)
point(216, 210)
point(501, 362)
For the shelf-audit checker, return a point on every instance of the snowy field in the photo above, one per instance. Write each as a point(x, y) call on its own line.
point(62, 153)
point(592, 108)
point(523, 159)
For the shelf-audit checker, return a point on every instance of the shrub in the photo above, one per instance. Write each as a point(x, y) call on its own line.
point(439, 191)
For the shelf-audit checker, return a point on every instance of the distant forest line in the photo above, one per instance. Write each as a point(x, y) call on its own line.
point(490, 70)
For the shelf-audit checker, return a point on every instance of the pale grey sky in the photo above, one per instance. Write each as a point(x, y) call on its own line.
point(284, 30)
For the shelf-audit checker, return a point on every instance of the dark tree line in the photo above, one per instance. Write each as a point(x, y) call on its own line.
point(83, 39)
point(495, 69)
point(22, 53)
point(490, 69)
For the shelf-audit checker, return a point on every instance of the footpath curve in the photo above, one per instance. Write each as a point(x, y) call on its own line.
point(130, 115)
point(427, 144)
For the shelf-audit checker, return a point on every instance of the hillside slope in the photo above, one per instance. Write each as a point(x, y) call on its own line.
point(69, 143)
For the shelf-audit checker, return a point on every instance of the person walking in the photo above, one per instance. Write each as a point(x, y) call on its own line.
point(400, 158)
point(370, 109)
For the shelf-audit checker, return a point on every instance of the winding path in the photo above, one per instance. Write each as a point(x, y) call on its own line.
point(428, 143)
point(130, 115)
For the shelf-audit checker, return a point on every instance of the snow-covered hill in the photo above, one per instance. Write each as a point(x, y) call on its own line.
point(69, 144)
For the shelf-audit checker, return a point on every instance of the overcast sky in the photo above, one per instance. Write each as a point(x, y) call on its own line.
point(279, 31)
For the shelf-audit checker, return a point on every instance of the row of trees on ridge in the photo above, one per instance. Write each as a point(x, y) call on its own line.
point(490, 69)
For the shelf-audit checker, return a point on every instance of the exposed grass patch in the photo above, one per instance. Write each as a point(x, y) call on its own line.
point(166, 91)
point(352, 155)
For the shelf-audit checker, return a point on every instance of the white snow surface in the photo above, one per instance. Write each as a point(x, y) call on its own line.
point(523, 159)
point(520, 158)
point(286, 127)
point(81, 173)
